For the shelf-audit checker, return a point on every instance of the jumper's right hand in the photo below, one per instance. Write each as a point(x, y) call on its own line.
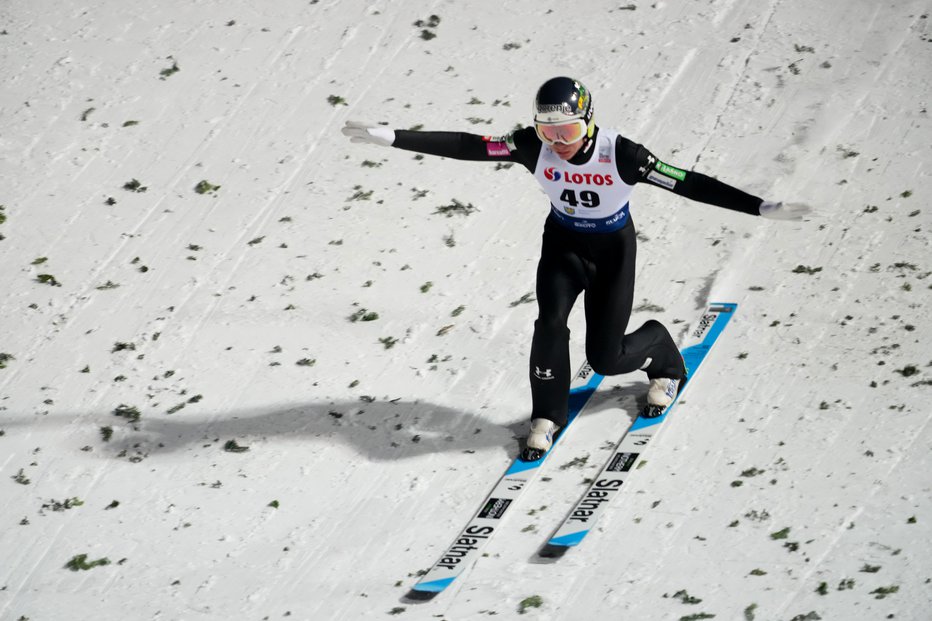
point(371, 133)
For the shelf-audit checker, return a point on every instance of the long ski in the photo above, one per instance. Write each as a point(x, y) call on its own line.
point(465, 548)
point(627, 453)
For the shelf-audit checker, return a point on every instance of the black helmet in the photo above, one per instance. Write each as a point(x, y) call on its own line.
point(561, 100)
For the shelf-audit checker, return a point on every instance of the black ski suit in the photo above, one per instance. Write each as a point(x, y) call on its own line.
point(591, 254)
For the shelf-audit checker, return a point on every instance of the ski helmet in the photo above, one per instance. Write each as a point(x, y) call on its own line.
point(563, 100)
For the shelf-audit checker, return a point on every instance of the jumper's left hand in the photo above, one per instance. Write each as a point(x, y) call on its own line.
point(784, 211)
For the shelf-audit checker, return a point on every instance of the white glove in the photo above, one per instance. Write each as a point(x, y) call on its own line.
point(784, 211)
point(360, 131)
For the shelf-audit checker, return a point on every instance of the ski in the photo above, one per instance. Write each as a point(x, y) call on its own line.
point(627, 453)
point(465, 548)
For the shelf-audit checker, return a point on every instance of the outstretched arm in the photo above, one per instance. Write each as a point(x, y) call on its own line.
point(642, 166)
point(515, 147)
point(705, 189)
point(457, 145)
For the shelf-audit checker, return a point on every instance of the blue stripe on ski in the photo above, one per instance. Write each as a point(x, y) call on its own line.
point(433, 587)
point(578, 399)
point(640, 422)
point(519, 465)
point(570, 540)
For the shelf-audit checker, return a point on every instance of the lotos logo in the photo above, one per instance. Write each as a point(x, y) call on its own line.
point(552, 174)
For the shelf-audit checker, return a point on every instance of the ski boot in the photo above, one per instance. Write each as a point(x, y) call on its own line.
point(661, 393)
point(540, 439)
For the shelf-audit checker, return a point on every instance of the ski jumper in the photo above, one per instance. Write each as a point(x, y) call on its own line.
point(589, 244)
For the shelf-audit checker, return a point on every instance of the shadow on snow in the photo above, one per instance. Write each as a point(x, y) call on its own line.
point(377, 430)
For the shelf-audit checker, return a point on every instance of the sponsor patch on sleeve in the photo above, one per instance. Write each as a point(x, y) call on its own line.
point(661, 180)
point(671, 171)
point(497, 146)
point(497, 149)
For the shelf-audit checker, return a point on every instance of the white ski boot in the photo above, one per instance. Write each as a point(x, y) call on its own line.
point(660, 395)
point(540, 439)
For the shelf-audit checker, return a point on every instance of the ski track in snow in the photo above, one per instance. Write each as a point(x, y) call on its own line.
point(811, 419)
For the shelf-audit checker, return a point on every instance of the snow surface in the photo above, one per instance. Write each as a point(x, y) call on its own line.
point(197, 310)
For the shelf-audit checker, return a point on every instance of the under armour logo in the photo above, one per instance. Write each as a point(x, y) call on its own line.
point(650, 164)
point(546, 374)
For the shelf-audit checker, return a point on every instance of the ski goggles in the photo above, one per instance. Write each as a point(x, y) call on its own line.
point(567, 133)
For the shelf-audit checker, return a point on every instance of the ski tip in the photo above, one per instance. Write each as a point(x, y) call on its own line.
point(552, 551)
point(420, 596)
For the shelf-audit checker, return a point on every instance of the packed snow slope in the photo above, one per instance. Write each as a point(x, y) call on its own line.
point(253, 371)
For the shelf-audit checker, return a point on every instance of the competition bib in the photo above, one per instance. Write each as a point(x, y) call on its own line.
point(591, 197)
